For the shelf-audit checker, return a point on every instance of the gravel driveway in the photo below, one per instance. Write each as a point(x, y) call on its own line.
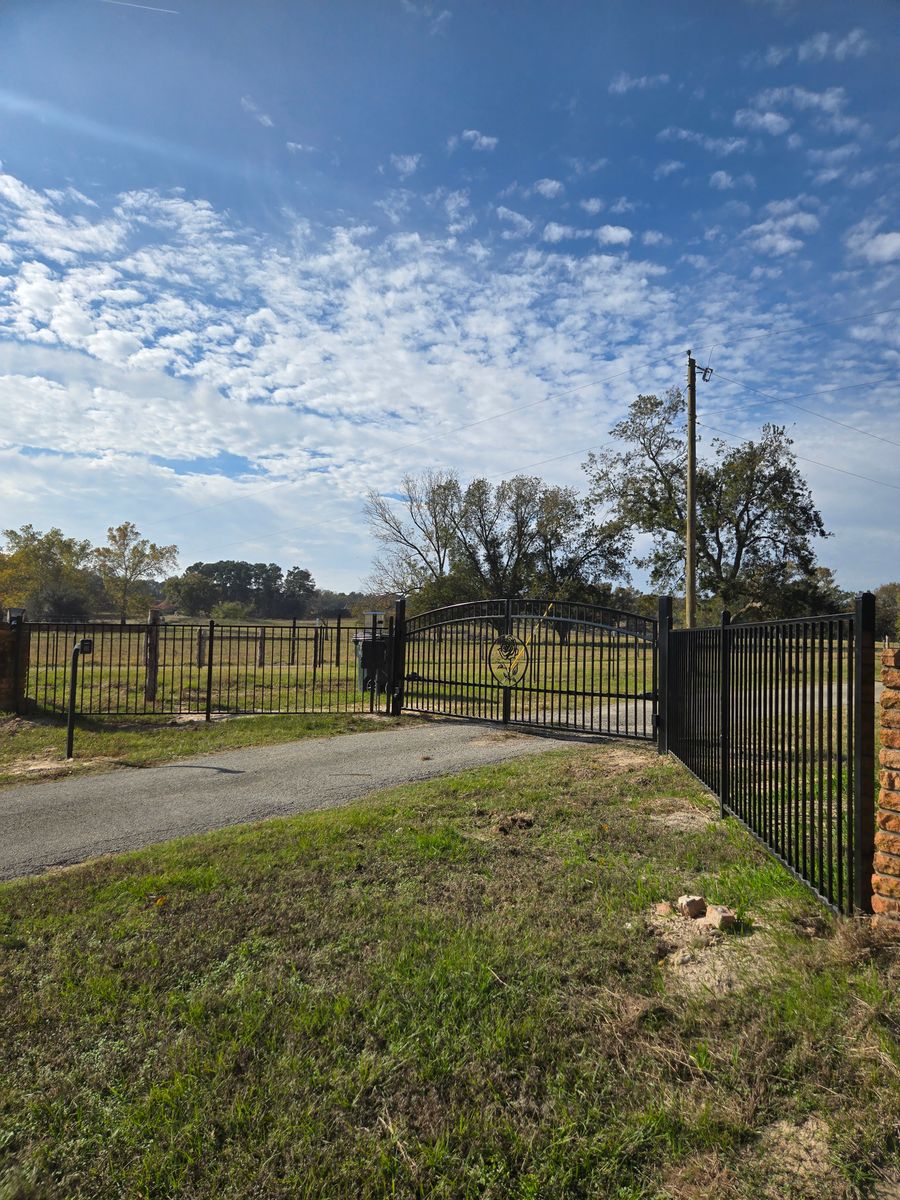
point(69, 820)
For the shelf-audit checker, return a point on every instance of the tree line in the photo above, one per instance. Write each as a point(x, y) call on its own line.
point(52, 575)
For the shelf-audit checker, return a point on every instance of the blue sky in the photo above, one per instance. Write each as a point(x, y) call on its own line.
point(258, 257)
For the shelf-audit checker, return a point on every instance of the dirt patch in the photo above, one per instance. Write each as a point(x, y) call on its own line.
point(610, 761)
point(888, 1188)
point(502, 735)
point(697, 958)
point(49, 765)
point(10, 726)
point(796, 1162)
point(672, 812)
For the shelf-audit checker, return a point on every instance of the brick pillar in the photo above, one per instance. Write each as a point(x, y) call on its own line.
point(886, 880)
point(12, 682)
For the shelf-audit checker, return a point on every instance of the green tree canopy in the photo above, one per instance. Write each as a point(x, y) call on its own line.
point(756, 520)
point(126, 562)
point(48, 574)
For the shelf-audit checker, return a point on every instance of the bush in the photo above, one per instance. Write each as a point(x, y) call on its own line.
point(231, 610)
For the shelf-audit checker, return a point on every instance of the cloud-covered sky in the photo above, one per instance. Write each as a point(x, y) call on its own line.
point(257, 258)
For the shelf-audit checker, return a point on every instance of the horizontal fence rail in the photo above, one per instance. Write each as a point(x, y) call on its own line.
point(777, 719)
point(551, 664)
point(175, 669)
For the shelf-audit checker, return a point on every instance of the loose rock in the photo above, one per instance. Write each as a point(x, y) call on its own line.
point(691, 906)
point(664, 909)
point(720, 917)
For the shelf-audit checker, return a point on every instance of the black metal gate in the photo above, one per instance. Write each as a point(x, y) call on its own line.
point(554, 664)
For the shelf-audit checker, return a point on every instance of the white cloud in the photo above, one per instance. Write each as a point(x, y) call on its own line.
point(479, 141)
point(623, 82)
point(653, 237)
point(405, 164)
point(520, 225)
point(436, 18)
point(622, 205)
point(300, 148)
point(613, 235)
point(715, 145)
point(815, 48)
point(548, 188)
point(831, 100)
point(761, 122)
point(591, 205)
point(557, 233)
point(585, 166)
point(723, 182)
point(835, 155)
point(668, 168)
point(249, 105)
point(854, 45)
point(779, 234)
point(865, 241)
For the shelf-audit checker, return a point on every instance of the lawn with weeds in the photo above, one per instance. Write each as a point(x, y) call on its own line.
point(455, 989)
point(35, 749)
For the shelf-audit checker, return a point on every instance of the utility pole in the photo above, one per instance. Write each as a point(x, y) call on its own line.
point(690, 548)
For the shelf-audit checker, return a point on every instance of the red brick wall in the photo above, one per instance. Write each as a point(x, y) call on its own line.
point(886, 880)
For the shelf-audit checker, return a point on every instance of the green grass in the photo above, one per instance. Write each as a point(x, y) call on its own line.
point(30, 749)
point(394, 999)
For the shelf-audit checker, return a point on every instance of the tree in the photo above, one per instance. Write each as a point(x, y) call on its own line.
point(128, 560)
point(416, 531)
point(887, 611)
point(756, 520)
point(298, 591)
point(444, 542)
point(46, 573)
point(192, 593)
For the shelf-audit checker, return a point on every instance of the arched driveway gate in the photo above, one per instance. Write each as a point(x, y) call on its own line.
point(555, 664)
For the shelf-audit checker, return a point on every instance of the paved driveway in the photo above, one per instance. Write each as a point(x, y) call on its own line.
point(69, 820)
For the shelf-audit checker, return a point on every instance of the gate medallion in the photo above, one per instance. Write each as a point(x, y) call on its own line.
point(508, 660)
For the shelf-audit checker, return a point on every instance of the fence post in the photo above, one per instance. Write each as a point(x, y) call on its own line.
point(398, 658)
point(209, 667)
point(292, 657)
point(151, 656)
point(663, 629)
point(864, 751)
point(725, 713)
point(261, 646)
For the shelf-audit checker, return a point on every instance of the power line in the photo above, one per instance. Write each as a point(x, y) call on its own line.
point(828, 466)
point(811, 411)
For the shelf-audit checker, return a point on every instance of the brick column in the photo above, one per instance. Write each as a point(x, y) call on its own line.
point(886, 880)
point(12, 678)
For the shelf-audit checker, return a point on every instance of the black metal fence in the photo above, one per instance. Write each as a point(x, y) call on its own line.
point(777, 718)
point(210, 668)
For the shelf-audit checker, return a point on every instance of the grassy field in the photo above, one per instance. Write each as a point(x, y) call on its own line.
point(423, 996)
point(34, 750)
